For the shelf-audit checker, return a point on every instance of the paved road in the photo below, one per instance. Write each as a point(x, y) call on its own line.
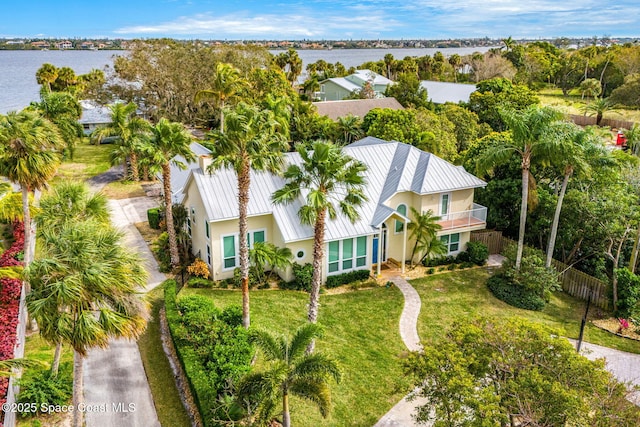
point(114, 378)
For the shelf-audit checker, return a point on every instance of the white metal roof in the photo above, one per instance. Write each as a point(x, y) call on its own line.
point(343, 83)
point(179, 176)
point(392, 167)
point(441, 92)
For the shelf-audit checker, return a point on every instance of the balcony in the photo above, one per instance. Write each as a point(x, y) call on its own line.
point(474, 219)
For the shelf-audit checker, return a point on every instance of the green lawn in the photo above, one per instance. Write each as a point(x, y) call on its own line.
point(168, 405)
point(573, 104)
point(89, 160)
point(452, 296)
point(361, 332)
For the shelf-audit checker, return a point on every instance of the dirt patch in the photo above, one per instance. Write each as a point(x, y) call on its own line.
point(148, 234)
point(613, 325)
point(123, 190)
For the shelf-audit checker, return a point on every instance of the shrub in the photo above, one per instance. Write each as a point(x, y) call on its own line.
point(628, 294)
point(346, 278)
point(462, 257)
point(161, 251)
point(478, 252)
point(41, 388)
point(153, 215)
point(435, 262)
point(504, 289)
point(199, 269)
point(301, 278)
point(198, 282)
point(431, 270)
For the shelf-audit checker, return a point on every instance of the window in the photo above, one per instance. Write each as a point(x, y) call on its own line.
point(452, 241)
point(300, 254)
point(189, 226)
point(229, 254)
point(231, 245)
point(208, 256)
point(402, 209)
point(347, 254)
point(206, 228)
point(444, 204)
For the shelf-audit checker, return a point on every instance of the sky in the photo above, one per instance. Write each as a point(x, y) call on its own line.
point(319, 19)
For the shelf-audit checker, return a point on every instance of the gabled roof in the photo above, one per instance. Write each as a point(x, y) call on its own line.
point(370, 76)
point(441, 92)
point(179, 176)
point(356, 107)
point(392, 167)
point(343, 83)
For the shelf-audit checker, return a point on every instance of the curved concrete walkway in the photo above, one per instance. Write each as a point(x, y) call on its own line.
point(114, 378)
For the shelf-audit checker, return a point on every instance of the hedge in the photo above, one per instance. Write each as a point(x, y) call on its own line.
point(514, 294)
point(346, 278)
point(153, 215)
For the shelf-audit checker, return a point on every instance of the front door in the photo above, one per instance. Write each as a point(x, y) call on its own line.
point(376, 245)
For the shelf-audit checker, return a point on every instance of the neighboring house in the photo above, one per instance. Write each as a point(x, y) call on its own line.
point(64, 45)
point(93, 116)
point(441, 92)
point(399, 176)
point(338, 88)
point(355, 107)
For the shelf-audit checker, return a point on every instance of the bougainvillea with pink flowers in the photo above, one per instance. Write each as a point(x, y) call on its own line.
point(10, 302)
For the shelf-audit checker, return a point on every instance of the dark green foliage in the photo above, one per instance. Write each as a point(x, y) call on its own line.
point(431, 270)
point(517, 296)
point(153, 215)
point(199, 282)
point(531, 286)
point(478, 253)
point(462, 257)
point(212, 347)
point(41, 388)
point(301, 278)
point(628, 294)
point(408, 92)
point(495, 94)
point(161, 251)
point(346, 278)
point(435, 262)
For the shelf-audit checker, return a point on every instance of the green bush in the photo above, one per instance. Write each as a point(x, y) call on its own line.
point(462, 257)
point(199, 282)
point(431, 270)
point(41, 388)
point(302, 275)
point(628, 294)
point(212, 347)
point(435, 262)
point(161, 250)
point(506, 290)
point(478, 252)
point(346, 278)
point(153, 215)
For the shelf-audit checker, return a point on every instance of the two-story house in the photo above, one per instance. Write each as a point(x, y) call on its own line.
point(398, 176)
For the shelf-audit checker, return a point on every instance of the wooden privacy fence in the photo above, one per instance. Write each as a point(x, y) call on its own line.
point(574, 282)
point(591, 120)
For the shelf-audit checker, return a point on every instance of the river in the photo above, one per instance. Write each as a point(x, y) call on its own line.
point(18, 86)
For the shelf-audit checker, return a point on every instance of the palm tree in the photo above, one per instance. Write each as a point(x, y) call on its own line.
point(69, 203)
point(169, 140)
point(388, 62)
point(29, 155)
point(227, 84)
point(633, 139)
point(63, 110)
point(267, 254)
point(46, 75)
point(330, 177)
point(251, 142)
point(130, 132)
point(349, 129)
point(530, 141)
point(577, 147)
point(10, 203)
point(85, 292)
point(290, 372)
point(455, 60)
point(423, 229)
point(598, 107)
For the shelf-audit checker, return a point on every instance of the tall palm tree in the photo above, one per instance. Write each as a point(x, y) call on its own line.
point(30, 148)
point(251, 142)
point(46, 75)
point(388, 62)
point(530, 141)
point(599, 106)
point(63, 110)
point(227, 84)
point(455, 61)
point(85, 292)
point(578, 146)
point(423, 229)
point(66, 204)
point(130, 132)
point(290, 372)
point(329, 177)
point(169, 140)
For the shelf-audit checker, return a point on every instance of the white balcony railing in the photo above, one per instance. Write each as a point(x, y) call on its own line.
point(471, 218)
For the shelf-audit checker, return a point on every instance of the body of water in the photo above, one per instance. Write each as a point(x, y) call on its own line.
point(18, 86)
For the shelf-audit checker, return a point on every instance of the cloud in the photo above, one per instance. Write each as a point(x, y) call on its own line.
point(294, 25)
